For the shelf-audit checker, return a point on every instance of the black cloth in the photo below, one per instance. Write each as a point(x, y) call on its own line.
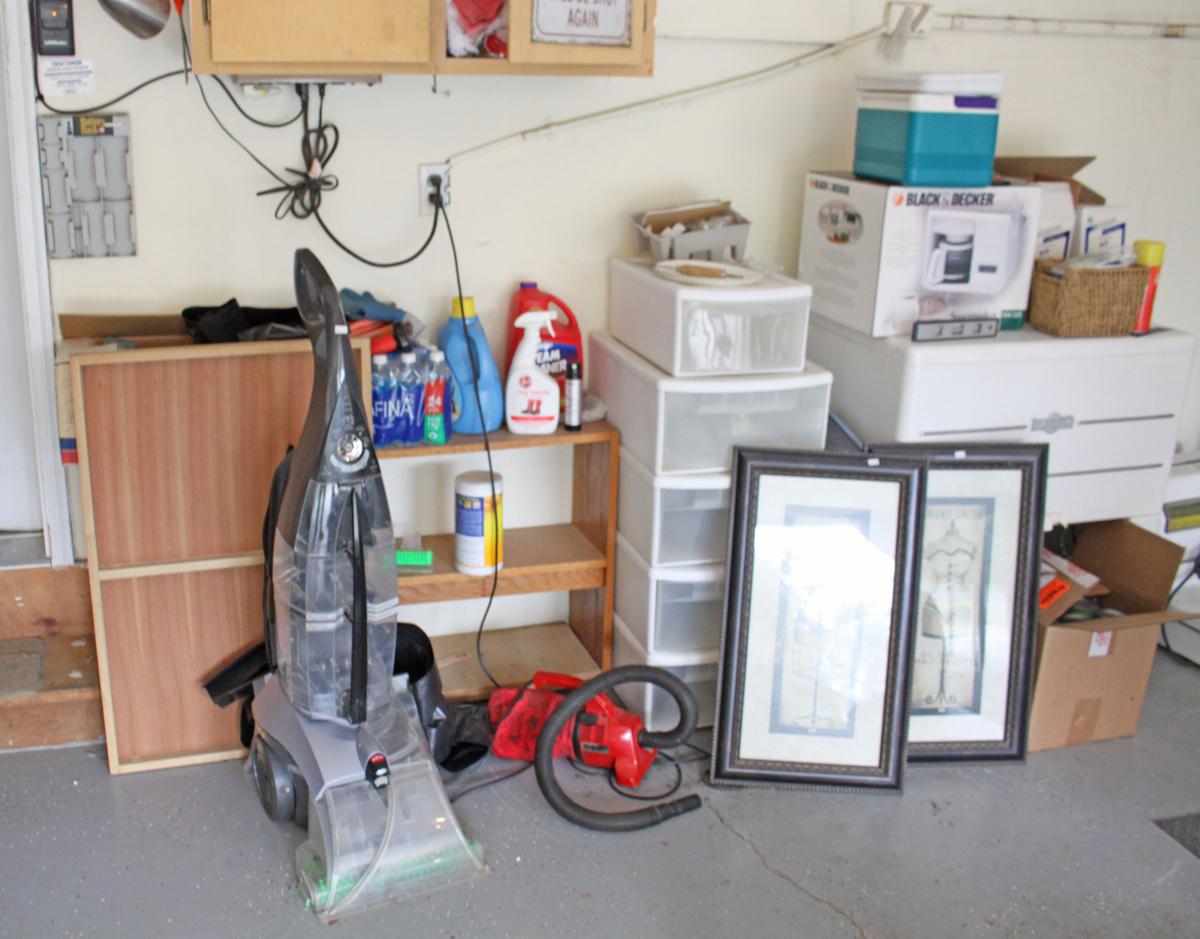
point(232, 322)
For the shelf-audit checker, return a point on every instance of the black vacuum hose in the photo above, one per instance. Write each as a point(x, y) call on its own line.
point(572, 704)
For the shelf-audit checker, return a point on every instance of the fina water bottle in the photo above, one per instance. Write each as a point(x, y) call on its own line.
point(383, 394)
point(410, 392)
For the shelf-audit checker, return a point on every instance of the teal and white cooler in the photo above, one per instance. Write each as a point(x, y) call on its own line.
point(928, 128)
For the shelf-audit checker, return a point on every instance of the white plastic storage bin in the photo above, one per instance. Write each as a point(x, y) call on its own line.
point(669, 609)
point(688, 331)
point(672, 520)
point(690, 425)
point(655, 707)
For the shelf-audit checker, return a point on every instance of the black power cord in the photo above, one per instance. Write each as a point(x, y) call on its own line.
point(250, 117)
point(440, 209)
point(72, 112)
point(1162, 629)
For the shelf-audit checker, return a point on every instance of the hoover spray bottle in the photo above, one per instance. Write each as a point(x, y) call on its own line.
point(437, 387)
point(531, 398)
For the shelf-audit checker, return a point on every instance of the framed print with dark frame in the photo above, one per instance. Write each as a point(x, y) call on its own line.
point(812, 687)
point(977, 604)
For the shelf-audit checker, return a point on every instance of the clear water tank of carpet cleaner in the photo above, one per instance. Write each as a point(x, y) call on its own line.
point(314, 582)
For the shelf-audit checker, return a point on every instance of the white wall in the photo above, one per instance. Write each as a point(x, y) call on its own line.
point(556, 207)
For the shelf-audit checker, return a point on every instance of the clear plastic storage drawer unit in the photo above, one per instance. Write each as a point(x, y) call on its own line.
point(672, 520)
point(690, 425)
point(655, 707)
point(691, 330)
point(669, 609)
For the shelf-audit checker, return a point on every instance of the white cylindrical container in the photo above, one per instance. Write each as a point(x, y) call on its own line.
point(478, 524)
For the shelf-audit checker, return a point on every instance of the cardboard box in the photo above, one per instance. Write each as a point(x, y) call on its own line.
point(1091, 682)
point(1087, 226)
point(1100, 229)
point(878, 256)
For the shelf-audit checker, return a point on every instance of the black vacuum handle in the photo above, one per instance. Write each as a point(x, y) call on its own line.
point(571, 705)
point(358, 613)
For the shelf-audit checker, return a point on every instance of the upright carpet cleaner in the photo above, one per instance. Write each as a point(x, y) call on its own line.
point(338, 742)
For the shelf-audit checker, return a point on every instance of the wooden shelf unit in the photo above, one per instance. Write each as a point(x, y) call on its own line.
point(579, 557)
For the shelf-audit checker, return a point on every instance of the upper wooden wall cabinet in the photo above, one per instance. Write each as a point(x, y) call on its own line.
point(312, 38)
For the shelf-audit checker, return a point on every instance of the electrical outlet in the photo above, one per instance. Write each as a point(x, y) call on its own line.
point(426, 173)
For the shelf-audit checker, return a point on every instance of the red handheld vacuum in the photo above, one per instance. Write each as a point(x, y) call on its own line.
point(589, 726)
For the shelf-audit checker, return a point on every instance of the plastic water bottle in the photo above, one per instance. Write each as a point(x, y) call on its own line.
point(437, 388)
point(410, 393)
point(383, 393)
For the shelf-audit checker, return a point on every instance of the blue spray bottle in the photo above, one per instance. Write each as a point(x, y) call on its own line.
point(460, 349)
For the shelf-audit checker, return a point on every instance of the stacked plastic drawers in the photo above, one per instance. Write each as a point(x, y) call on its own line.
point(688, 373)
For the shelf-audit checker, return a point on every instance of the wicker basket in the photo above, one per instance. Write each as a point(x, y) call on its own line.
point(1086, 301)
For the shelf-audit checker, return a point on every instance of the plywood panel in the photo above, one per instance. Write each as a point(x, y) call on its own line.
point(181, 453)
point(178, 446)
point(164, 636)
point(382, 31)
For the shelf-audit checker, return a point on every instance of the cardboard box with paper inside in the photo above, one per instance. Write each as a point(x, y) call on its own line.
point(1092, 676)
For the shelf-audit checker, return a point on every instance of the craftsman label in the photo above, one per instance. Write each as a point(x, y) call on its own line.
point(588, 22)
point(62, 76)
point(1100, 644)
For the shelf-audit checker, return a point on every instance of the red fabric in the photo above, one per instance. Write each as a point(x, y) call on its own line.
point(519, 724)
point(476, 14)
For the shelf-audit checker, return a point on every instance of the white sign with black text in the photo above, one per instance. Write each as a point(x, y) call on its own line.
point(587, 22)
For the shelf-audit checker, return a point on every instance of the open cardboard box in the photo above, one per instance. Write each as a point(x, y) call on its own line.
point(1075, 218)
point(1091, 682)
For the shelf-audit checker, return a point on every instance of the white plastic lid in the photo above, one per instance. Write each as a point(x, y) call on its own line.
point(379, 359)
point(408, 357)
point(437, 355)
point(934, 83)
point(477, 483)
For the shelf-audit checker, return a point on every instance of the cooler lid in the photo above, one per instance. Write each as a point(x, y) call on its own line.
point(934, 83)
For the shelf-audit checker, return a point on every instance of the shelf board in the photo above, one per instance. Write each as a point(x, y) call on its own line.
point(502, 439)
point(512, 655)
point(540, 559)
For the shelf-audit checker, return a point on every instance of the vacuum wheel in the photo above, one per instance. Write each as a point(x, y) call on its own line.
point(274, 781)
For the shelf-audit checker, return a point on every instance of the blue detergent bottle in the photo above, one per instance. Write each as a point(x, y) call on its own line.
point(465, 414)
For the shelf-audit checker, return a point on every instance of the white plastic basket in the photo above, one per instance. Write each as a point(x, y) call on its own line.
point(690, 330)
point(655, 707)
point(690, 425)
point(669, 609)
point(673, 520)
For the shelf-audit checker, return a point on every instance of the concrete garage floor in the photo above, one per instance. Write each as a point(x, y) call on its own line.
point(1064, 845)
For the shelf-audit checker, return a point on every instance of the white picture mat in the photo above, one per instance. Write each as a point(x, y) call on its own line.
point(1004, 486)
point(846, 565)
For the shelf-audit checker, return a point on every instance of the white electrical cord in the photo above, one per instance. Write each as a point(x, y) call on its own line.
point(682, 94)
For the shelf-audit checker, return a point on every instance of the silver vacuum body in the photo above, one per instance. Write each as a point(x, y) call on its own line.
point(338, 744)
